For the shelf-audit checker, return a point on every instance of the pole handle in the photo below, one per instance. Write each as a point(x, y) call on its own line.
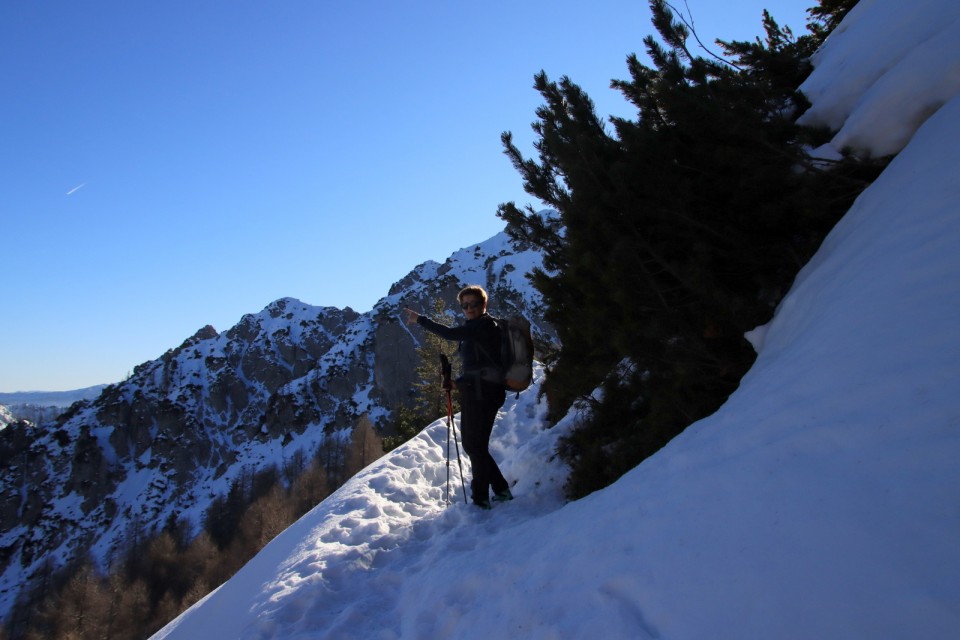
point(445, 373)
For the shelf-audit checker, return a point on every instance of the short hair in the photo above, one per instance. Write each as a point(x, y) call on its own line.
point(473, 290)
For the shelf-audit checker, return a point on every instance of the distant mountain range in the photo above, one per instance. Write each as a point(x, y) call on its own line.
point(40, 406)
point(51, 398)
point(174, 436)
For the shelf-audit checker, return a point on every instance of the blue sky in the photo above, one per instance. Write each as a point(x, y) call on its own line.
point(169, 165)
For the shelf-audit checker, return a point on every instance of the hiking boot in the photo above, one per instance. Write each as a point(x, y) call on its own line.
point(483, 504)
point(503, 496)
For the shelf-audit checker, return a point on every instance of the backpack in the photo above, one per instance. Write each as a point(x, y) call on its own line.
point(516, 352)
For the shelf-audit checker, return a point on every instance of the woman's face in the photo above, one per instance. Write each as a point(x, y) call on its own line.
point(472, 306)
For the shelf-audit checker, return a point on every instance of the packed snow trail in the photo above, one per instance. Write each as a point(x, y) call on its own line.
point(344, 563)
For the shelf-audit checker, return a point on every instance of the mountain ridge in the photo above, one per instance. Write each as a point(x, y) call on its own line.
point(51, 398)
point(167, 441)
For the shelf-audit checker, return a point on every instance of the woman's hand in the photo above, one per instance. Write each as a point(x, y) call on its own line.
point(411, 315)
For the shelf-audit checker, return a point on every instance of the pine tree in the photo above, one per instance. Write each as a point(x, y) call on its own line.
point(678, 231)
point(429, 401)
point(262, 521)
point(365, 446)
point(407, 423)
point(828, 15)
point(310, 488)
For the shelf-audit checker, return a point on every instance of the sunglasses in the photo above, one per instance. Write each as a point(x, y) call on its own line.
point(471, 305)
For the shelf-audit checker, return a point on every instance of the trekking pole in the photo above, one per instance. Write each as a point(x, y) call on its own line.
point(455, 445)
point(444, 381)
point(446, 491)
point(448, 387)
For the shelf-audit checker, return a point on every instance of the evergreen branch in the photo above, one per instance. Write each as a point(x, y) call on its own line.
point(690, 27)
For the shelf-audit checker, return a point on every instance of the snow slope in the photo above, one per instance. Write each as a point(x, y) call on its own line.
point(884, 71)
point(821, 501)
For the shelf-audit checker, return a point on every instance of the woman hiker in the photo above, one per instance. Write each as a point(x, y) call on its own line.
point(481, 390)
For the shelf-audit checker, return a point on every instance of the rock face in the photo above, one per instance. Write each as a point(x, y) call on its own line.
point(171, 438)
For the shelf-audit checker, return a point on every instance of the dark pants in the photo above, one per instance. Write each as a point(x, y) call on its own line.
point(479, 403)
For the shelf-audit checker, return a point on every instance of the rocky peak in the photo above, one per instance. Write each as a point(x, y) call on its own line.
point(172, 437)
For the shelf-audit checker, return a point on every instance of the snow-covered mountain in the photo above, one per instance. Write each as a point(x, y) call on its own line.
point(821, 501)
point(173, 437)
point(6, 416)
point(40, 406)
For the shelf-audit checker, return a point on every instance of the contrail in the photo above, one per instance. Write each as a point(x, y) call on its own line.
point(79, 186)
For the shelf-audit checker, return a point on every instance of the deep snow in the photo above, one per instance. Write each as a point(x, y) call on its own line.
point(821, 501)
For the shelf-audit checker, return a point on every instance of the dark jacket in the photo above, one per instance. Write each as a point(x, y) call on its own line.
point(479, 344)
